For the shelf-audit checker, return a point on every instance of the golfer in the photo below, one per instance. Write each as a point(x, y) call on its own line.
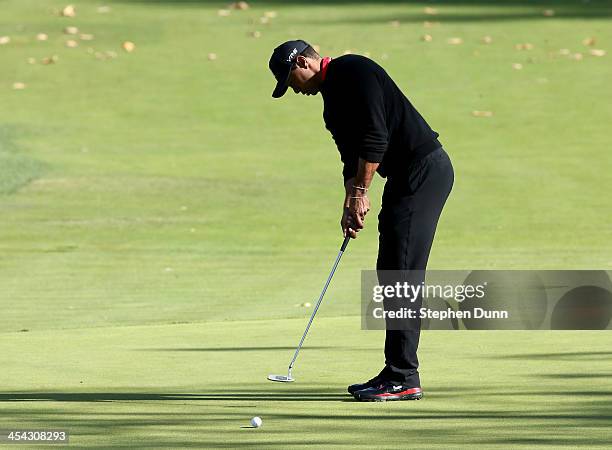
point(377, 129)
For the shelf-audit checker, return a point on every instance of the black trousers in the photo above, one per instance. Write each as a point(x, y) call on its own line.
point(411, 207)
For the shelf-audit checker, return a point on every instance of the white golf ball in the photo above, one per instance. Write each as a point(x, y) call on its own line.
point(256, 422)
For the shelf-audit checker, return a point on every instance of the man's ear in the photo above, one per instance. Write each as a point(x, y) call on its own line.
point(301, 62)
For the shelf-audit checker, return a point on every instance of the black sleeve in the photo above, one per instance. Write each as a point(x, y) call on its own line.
point(365, 128)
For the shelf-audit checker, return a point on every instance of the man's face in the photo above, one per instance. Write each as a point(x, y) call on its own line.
point(301, 79)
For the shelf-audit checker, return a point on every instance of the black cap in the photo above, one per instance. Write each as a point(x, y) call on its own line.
point(281, 63)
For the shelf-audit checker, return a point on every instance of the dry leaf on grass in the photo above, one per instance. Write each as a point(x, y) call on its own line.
point(4, 40)
point(128, 46)
point(50, 60)
point(212, 56)
point(482, 113)
point(430, 11)
point(487, 39)
point(526, 46)
point(548, 12)
point(238, 5)
point(455, 41)
point(427, 38)
point(68, 11)
point(597, 52)
point(18, 86)
point(71, 30)
point(589, 42)
point(41, 37)
point(71, 43)
point(517, 66)
point(223, 12)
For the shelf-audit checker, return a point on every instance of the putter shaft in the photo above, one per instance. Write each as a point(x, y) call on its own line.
point(314, 313)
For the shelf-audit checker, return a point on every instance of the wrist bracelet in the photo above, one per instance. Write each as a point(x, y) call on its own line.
point(360, 188)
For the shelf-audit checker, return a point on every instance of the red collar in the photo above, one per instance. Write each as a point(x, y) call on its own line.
point(324, 64)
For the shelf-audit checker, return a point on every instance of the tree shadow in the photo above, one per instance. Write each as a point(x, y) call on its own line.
point(230, 349)
point(530, 9)
point(562, 355)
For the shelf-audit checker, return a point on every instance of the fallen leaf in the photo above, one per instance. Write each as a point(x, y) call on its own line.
point(68, 11)
point(427, 38)
point(482, 113)
point(110, 54)
point(255, 34)
point(71, 30)
point(212, 56)
point(264, 20)
point(71, 43)
point(18, 86)
point(238, 5)
point(564, 51)
point(41, 37)
point(517, 66)
point(597, 52)
point(4, 40)
point(487, 39)
point(31, 60)
point(128, 46)
point(577, 56)
point(86, 37)
point(271, 14)
point(224, 12)
point(50, 60)
point(455, 41)
point(430, 11)
point(548, 12)
point(524, 46)
point(589, 42)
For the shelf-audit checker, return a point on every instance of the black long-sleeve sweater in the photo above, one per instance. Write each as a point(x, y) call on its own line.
point(370, 118)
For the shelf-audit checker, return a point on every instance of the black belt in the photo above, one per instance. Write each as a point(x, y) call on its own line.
point(425, 149)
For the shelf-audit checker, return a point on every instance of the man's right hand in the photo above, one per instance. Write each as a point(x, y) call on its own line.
point(349, 228)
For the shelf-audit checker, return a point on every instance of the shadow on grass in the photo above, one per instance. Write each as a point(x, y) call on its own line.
point(250, 395)
point(229, 349)
point(530, 9)
point(564, 355)
point(574, 376)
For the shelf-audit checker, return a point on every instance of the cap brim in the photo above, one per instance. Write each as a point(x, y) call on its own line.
point(282, 86)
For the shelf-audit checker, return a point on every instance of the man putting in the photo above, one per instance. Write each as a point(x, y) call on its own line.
point(377, 129)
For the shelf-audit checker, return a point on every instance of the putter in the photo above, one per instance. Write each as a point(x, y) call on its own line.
point(288, 378)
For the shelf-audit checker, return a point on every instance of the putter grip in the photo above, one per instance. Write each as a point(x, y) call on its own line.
point(345, 243)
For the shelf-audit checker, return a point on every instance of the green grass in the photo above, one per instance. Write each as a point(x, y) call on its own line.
point(159, 200)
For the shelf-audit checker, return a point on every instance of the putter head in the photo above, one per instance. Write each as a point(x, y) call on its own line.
point(281, 378)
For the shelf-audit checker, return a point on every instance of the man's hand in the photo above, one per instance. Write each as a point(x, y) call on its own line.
point(347, 224)
point(356, 206)
point(356, 201)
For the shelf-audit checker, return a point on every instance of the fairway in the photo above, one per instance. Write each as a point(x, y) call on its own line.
point(164, 222)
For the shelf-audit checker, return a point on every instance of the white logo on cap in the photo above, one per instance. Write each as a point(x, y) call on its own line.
point(292, 55)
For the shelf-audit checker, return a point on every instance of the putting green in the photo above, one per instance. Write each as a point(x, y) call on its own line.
point(199, 385)
point(163, 219)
